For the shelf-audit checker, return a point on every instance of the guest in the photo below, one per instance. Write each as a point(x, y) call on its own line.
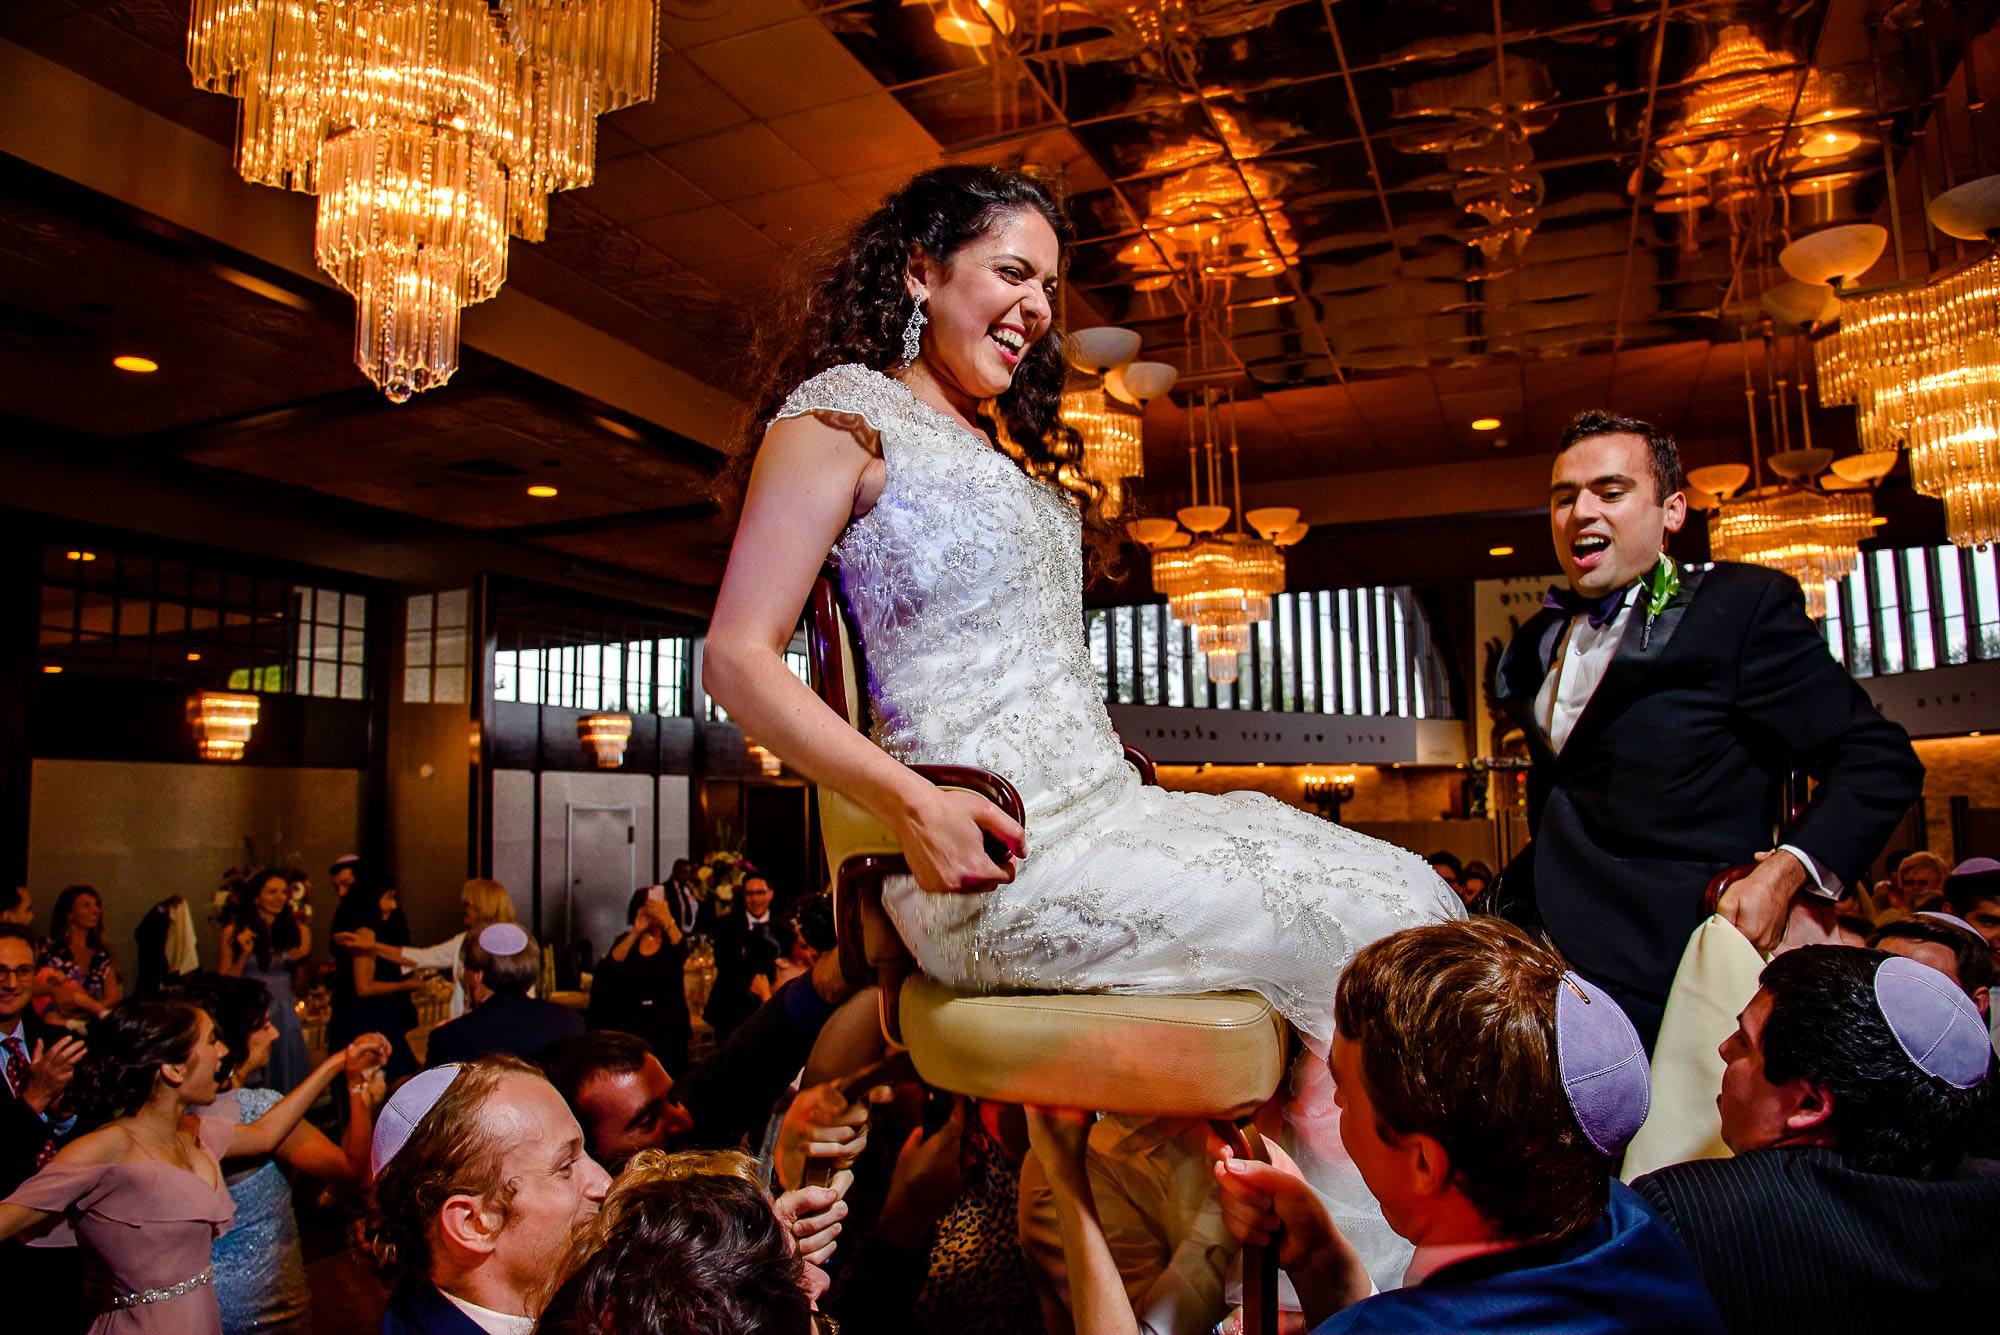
point(166, 944)
point(1472, 882)
point(1972, 893)
point(1517, 1223)
point(684, 900)
point(264, 940)
point(1664, 708)
point(370, 995)
point(344, 871)
point(18, 907)
point(37, 1062)
point(501, 964)
point(746, 947)
point(479, 903)
point(78, 974)
point(684, 1242)
point(260, 1277)
point(150, 1062)
point(1449, 869)
point(1852, 1084)
point(1948, 944)
point(481, 1180)
point(803, 937)
point(640, 987)
point(1919, 883)
point(626, 1101)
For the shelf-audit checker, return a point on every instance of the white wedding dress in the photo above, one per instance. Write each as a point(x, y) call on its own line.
point(965, 581)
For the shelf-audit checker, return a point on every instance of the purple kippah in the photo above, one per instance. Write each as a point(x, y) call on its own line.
point(1975, 866)
point(405, 1108)
point(1604, 1071)
point(503, 938)
point(1954, 920)
point(1934, 1021)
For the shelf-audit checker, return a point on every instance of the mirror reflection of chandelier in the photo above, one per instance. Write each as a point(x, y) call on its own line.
point(1218, 582)
point(1113, 444)
point(430, 130)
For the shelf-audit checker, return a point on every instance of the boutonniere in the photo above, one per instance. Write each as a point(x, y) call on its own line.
point(1662, 582)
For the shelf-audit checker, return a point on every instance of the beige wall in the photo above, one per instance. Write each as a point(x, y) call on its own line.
point(1957, 767)
point(142, 832)
point(429, 817)
point(1408, 807)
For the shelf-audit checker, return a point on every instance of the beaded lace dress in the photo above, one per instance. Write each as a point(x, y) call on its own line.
point(965, 581)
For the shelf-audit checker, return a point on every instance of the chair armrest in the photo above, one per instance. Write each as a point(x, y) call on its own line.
point(1142, 762)
point(1719, 884)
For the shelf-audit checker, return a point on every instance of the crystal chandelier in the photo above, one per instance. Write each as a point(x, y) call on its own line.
point(431, 130)
point(1921, 365)
point(1113, 438)
point(1215, 582)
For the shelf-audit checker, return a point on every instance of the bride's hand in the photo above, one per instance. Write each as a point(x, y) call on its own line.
point(945, 843)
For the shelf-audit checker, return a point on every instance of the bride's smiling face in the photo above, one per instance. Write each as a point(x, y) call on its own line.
point(988, 303)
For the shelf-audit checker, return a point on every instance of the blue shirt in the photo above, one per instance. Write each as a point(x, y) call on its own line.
point(1625, 1275)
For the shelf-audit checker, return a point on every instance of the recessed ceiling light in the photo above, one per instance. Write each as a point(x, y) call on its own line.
point(80, 556)
point(51, 668)
point(1485, 424)
point(1500, 551)
point(141, 365)
point(1975, 734)
point(542, 490)
point(194, 658)
point(1878, 521)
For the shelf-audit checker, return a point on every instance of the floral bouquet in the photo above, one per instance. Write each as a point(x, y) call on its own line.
point(720, 873)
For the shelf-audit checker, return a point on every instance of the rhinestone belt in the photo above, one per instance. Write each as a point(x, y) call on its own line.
point(160, 1295)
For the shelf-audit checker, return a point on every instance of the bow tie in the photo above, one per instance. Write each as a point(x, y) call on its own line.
point(1571, 603)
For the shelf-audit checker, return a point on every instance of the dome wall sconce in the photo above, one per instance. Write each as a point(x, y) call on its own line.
point(223, 722)
point(606, 736)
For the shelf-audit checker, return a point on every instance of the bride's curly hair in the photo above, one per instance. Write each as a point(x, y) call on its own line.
point(848, 302)
point(124, 1051)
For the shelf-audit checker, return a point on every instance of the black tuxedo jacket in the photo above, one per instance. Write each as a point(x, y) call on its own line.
point(1676, 767)
point(22, 1131)
point(741, 951)
point(1794, 1241)
point(505, 1022)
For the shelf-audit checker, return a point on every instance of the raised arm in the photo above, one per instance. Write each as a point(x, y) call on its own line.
point(268, 1132)
point(305, 945)
point(309, 1150)
point(233, 948)
point(367, 985)
point(810, 478)
point(1097, 1299)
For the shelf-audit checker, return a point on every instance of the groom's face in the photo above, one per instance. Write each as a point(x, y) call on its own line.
point(1606, 516)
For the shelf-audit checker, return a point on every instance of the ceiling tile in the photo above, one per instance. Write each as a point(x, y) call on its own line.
point(705, 236)
point(633, 189)
point(686, 104)
point(739, 162)
point(857, 135)
point(787, 68)
point(690, 23)
point(799, 214)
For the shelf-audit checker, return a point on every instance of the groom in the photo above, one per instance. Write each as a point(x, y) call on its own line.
point(1664, 707)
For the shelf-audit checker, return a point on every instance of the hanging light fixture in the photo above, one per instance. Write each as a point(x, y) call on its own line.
point(223, 722)
point(606, 736)
point(430, 130)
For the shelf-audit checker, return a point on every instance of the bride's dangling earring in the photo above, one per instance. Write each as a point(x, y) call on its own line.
point(913, 335)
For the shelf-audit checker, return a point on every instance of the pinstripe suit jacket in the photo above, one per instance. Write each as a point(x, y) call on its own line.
point(1793, 1240)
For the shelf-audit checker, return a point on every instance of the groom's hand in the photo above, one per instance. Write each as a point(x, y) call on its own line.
point(1759, 904)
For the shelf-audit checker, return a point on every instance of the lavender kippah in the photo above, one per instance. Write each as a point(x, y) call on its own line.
point(1934, 1021)
point(1954, 920)
point(1603, 1066)
point(503, 938)
point(1975, 867)
point(405, 1108)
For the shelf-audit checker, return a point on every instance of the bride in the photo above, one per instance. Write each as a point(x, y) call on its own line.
point(912, 417)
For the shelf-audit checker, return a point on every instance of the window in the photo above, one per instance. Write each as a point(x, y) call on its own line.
point(108, 612)
point(1913, 608)
point(571, 659)
point(435, 635)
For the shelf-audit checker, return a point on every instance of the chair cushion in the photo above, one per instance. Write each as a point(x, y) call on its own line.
point(1216, 1054)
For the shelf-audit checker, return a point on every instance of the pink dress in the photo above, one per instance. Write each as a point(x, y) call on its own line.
point(153, 1226)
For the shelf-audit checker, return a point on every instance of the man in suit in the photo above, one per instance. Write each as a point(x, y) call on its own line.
point(501, 964)
point(481, 1180)
point(37, 1062)
point(1664, 708)
point(1852, 1084)
point(746, 946)
point(681, 896)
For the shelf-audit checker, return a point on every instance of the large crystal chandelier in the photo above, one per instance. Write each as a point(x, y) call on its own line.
point(1216, 582)
point(1113, 437)
point(430, 130)
point(1921, 365)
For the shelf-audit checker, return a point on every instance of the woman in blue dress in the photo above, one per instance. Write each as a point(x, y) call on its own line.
point(370, 993)
point(263, 939)
point(260, 1277)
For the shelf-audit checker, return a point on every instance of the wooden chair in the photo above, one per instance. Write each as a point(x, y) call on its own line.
point(1217, 1056)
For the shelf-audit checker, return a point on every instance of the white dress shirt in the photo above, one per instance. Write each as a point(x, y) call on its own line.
point(1583, 655)
point(490, 1321)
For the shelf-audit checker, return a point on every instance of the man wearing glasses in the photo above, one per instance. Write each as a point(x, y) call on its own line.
point(36, 1063)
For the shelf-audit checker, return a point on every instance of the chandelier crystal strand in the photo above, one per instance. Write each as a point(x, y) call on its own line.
point(430, 129)
point(1113, 446)
point(1812, 537)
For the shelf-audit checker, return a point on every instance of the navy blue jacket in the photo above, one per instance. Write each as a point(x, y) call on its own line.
point(425, 1311)
point(505, 1022)
point(1626, 1275)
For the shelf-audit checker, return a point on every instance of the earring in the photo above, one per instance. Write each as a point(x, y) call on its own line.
point(913, 333)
